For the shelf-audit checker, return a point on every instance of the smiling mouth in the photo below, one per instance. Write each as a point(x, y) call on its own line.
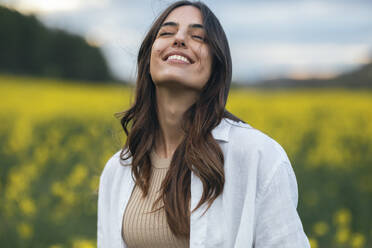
point(178, 59)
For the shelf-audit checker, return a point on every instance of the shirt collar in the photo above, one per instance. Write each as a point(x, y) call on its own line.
point(221, 132)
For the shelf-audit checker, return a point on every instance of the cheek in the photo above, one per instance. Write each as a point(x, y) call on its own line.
point(207, 62)
point(155, 53)
point(158, 46)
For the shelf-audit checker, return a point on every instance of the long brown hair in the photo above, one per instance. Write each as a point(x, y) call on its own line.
point(198, 152)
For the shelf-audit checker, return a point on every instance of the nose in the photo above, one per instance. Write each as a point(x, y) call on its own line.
point(179, 43)
point(179, 40)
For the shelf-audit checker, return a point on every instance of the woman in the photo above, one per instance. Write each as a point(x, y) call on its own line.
point(191, 174)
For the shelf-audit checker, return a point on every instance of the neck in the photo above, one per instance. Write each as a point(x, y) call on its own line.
point(171, 106)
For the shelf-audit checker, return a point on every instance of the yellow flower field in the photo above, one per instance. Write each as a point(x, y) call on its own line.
point(56, 136)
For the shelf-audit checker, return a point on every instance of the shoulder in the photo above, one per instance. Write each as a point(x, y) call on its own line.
point(114, 163)
point(245, 138)
point(253, 149)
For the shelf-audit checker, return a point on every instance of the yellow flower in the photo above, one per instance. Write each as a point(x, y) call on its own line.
point(320, 228)
point(76, 177)
point(27, 206)
point(25, 231)
point(313, 243)
point(342, 217)
point(55, 246)
point(57, 189)
point(342, 235)
point(357, 240)
point(68, 197)
point(83, 244)
point(94, 183)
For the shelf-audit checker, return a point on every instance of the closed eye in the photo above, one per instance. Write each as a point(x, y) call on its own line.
point(165, 33)
point(198, 37)
point(194, 36)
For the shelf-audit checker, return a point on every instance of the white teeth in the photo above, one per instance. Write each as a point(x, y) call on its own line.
point(179, 58)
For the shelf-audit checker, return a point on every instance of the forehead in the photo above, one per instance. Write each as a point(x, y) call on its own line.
point(185, 14)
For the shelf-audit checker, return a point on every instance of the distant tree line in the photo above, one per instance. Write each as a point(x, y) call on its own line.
point(358, 78)
point(28, 47)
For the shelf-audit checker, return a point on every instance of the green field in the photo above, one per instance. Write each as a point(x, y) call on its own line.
point(56, 136)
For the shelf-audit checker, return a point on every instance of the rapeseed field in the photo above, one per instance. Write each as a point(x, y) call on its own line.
point(56, 136)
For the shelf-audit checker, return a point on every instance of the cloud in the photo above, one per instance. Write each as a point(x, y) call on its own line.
point(302, 21)
point(273, 60)
point(271, 39)
point(266, 37)
point(51, 6)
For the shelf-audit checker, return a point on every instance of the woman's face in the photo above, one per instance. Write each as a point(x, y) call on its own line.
point(179, 54)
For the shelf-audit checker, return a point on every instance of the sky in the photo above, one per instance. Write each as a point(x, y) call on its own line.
point(268, 38)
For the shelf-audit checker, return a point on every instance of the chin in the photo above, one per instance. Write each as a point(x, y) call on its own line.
point(176, 81)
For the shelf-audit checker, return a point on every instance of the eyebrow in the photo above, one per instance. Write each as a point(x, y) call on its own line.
point(173, 24)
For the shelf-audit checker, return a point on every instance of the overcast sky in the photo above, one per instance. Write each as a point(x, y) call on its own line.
point(268, 39)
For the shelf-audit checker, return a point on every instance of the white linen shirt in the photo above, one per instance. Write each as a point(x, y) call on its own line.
point(256, 209)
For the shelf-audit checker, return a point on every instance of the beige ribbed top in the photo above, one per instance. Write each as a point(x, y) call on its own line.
point(142, 229)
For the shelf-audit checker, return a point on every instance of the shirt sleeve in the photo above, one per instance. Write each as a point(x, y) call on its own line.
point(103, 206)
point(100, 213)
point(277, 221)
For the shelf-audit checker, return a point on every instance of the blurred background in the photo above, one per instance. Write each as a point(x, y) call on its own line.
point(302, 73)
